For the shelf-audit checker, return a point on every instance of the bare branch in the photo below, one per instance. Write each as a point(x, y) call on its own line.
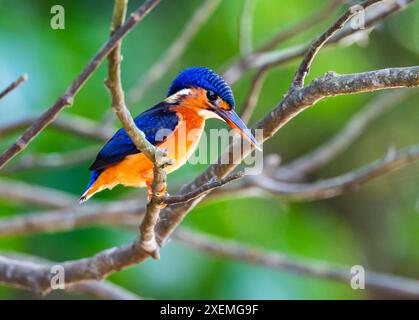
point(328, 188)
point(115, 259)
point(172, 54)
point(69, 123)
point(157, 156)
point(52, 160)
point(104, 290)
point(14, 85)
point(294, 103)
point(22, 192)
point(232, 250)
point(289, 107)
point(274, 58)
point(147, 228)
point(302, 71)
point(299, 168)
point(67, 98)
point(126, 212)
point(246, 25)
point(114, 85)
point(305, 25)
point(209, 186)
point(253, 94)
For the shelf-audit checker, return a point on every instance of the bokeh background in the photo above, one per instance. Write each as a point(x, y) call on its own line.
point(375, 226)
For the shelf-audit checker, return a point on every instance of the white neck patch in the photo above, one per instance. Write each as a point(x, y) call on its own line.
point(176, 96)
point(206, 114)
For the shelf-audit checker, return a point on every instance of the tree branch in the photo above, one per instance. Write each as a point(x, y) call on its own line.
point(305, 25)
point(302, 166)
point(14, 85)
point(253, 94)
point(126, 212)
point(246, 26)
point(69, 123)
point(328, 188)
point(104, 290)
point(17, 191)
point(115, 259)
point(302, 71)
point(209, 186)
point(232, 250)
point(157, 156)
point(67, 98)
point(52, 160)
point(129, 212)
point(295, 102)
point(274, 58)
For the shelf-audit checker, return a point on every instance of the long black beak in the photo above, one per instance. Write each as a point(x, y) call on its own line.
point(235, 122)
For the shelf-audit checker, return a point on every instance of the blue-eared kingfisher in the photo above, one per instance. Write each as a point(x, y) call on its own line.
point(196, 95)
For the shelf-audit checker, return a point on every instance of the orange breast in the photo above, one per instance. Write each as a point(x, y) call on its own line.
point(136, 169)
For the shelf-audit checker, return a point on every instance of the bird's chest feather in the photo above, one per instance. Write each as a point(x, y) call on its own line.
point(180, 145)
point(185, 138)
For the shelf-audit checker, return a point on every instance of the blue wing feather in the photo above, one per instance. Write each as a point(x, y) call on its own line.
point(121, 145)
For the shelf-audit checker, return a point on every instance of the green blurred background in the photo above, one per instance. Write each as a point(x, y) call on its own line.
point(375, 226)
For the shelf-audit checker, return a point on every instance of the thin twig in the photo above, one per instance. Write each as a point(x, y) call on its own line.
point(13, 85)
point(12, 276)
point(322, 155)
point(246, 27)
point(17, 191)
point(115, 259)
point(104, 290)
point(295, 102)
point(157, 156)
point(67, 98)
point(253, 94)
point(115, 87)
point(328, 188)
point(381, 282)
point(52, 160)
point(209, 186)
point(128, 212)
point(173, 53)
point(274, 58)
point(147, 227)
point(125, 212)
point(305, 25)
point(302, 71)
point(73, 124)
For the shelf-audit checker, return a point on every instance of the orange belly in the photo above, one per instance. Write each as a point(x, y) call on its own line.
point(136, 169)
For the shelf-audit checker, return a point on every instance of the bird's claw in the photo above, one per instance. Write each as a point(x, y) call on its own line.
point(160, 194)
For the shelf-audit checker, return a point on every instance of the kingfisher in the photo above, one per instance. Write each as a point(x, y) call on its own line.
point(197, 94)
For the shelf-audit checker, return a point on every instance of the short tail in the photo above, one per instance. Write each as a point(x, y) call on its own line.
point(91, 189)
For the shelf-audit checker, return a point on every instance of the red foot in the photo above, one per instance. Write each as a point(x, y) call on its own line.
point(150, 192)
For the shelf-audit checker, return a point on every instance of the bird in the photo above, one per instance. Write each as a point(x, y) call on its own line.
point(197, 94)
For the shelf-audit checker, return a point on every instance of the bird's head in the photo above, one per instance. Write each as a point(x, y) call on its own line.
point(205, 91)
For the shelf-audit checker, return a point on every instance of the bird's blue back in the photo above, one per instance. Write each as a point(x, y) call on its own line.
point(150, 122)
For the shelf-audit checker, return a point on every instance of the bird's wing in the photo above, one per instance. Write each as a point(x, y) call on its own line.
point(150, 122)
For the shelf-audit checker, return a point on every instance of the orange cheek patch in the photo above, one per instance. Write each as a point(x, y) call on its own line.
point(224, 105)
point(197, 99)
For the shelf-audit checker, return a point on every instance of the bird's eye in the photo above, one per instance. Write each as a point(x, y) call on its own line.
point(211, 95)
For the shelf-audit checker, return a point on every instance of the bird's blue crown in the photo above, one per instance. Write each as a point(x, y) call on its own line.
point(201, 77)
